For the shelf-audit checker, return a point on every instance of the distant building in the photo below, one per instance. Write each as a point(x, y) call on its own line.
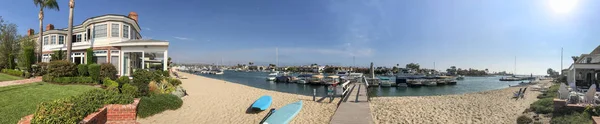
point(585, 71)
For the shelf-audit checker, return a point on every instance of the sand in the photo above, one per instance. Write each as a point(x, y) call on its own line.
point(213, 101)
point(488, 107)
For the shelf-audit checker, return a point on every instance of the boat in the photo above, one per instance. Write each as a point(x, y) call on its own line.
point(510, 79)
point(284, 114)
point(329, 80)
point(262, 103)
point(445, 80)
point(342, 73)
point(272, 76)
point(283, 79)
point(415, 82)
point(316, 79)
point(385, 82)
point(220, 72)
point(303, 79)
point(429, 81)
point(460, 77)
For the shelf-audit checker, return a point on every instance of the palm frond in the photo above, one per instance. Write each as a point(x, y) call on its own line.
point(51, 4)
point(38, 3)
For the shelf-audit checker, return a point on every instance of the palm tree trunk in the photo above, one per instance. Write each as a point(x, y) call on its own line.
point(41, 40)
point(70, 32)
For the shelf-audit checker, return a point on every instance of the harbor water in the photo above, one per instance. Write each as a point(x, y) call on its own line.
point(468, 85)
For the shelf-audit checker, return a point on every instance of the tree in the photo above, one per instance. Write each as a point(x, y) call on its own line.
point(250, 63)
point(89, 56)
point(575, 58)
point(414, 66)
point(44, 4)
point(452, 70)
point(27, 55)
point(70, 30)
point(552, 73)
point(9, 44)
point(395, 69)
point(58, 55)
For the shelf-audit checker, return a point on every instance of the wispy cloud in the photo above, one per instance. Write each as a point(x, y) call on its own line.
point(182, 38)
point(145, 28)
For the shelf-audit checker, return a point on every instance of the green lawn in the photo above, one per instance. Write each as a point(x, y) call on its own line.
point(5, 77)
point(20, 100)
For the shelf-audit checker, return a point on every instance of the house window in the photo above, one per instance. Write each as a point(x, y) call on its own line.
point(85, 37)
point(100, 31)
point(61, 39)
point(46, 40)
point(78, 38)
point(125, 31)
point(53, 39)
point(114, 31)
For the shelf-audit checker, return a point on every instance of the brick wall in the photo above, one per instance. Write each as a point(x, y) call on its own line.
point(109, 114)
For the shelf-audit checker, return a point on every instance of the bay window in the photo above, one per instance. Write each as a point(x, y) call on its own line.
point(125, 31)
point(100, 31)
point(114, 31)
point(53, 39)
point(61, 39)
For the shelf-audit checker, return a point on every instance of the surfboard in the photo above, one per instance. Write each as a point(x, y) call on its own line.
point(262, 103)
point(285, 114)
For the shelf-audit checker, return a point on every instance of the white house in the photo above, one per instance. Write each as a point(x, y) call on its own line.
point(115, 39)
point(585, 71)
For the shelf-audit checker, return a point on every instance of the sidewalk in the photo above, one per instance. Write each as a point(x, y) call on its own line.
point(24, 81)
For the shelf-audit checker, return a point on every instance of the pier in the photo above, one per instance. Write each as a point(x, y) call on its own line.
point(353, 107)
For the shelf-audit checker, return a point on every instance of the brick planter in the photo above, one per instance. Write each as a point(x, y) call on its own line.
point(109, 114)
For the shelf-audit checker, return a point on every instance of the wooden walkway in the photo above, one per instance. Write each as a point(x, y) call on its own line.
point(354, 108)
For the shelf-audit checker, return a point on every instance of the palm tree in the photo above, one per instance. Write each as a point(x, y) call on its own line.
point(575, 58)
point(43, 4)
point(70, 32)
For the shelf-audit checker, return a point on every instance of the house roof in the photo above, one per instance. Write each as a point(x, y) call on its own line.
point(141, 42)
point(596, 51)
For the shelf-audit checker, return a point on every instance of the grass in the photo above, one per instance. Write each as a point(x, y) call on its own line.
point(5, 77)
point(20, 100)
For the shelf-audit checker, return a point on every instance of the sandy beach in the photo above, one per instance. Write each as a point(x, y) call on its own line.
point(488, 107)
point(213, 101)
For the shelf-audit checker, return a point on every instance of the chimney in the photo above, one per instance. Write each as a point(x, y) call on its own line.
point(30, 32)
point(49, 27)
point(133, 16)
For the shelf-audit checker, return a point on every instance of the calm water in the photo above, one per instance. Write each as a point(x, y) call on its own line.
point(468, 85)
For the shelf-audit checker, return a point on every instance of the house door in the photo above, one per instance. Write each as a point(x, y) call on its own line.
point(588, 78)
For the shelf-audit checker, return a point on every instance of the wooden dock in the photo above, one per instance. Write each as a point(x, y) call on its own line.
point(353, 107)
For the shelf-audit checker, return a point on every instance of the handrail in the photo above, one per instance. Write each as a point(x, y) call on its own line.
point(366, 81)
point(345, 88)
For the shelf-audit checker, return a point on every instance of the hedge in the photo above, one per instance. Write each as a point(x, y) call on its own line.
point(89, 56)
point(110, 84)
point(73, 80)
point(61, 68)
point(82, 70)
point(48, 78)
point(155, 104)
point(40, 69)
point(73, 109)
point(128, 89)
point(13, 72)
point(123, 80)
point(94, 71)
point(108, 71)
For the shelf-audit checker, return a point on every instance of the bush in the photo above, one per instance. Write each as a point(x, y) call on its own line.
point(110, 85)
point(524, 120)
point(39, 69)
point(27, 57)
point(571, 118)
point(160, 87)
point(13, 72)
point(94, 71)
point(89, 56)
point(82, 70)
point(74, 109)
point(73, 80)
point(141, 79)
point(128, 89)
point(174, 82)
point(47, 78)
point(123, 80)
point(108, 71)
point(155, 104)
point(543, 106)
point(61, 68)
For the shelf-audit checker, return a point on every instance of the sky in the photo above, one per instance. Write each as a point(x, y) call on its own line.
point(476, 34)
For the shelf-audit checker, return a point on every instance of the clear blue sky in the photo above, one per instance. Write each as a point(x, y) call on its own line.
point(467, 33)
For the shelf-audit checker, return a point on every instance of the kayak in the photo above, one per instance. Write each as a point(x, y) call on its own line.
point(284, 114)
point(262, 103)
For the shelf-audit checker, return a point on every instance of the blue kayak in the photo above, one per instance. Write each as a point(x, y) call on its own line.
point(262, 103)
point(284, 114)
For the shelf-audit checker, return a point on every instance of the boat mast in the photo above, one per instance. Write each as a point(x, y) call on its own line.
point(515, 72)
point(276, 57)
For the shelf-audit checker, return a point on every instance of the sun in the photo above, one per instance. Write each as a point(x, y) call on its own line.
point(562, 6)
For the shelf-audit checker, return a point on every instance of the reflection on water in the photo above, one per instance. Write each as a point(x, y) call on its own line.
point(468, 85)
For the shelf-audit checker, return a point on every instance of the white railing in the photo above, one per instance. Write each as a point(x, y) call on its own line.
point(345, 88)
point(366, 81)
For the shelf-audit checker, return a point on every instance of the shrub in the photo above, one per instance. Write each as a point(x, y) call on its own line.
point(47, 78)
point(73, 80)
point(123, 80)
point(82, 70)
point(94, 71)
point(160, 87)
point(571, 118)
point(524, 120)
point(110, 85)
point(39, 69)
point(543, 106)
point(141, 78)
point(74, 109)
point(27, 75)
point(89, 56)
point(174, 82)
point(128, 89)
point(27, 57)
point(108, 71)
point(61, 68)
point(155, 104)
point(13, 72)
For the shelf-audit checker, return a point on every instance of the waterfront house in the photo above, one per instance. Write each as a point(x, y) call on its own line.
point(115, 39)
point(585, 71)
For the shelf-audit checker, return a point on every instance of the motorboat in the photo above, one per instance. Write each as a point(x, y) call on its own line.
point(316, 79)
point(329, 80)
point(460, 77)
point(304, 78)
point(272, 77)
point(283, 79)
point(385, 82)
point(342, 73)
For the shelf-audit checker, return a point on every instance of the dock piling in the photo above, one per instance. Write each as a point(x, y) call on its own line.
point(314, 94)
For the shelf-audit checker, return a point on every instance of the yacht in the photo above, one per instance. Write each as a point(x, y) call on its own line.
point(385, 82)
point(316, 79)
point(303, 79)
point(272, 77)
point(329, 80)
point(342, 73)
point(220, 72)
